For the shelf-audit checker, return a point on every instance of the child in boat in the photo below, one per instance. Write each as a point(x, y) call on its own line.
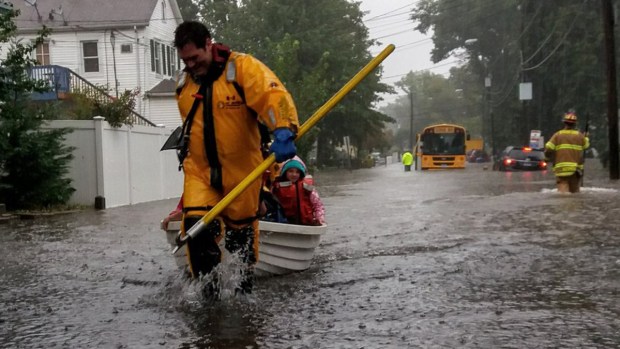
point(175, 215)
point(295, 191)
point(270, 209)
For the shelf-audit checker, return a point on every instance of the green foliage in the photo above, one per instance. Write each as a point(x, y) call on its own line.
point(33, 162)
point(556, 45)
point(436, 99)
point(79, 107)
point(315, 47)
point(117, 111)
point(189, 9)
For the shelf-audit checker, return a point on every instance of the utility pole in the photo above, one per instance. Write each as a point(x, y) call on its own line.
point(612, 93)
point(411, 120)
point(113, 43)
point(524, 115)
point(487, 86)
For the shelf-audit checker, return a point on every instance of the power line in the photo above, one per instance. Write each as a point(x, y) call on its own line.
point(464, 13)
point(400, 32)
point(570, 28)
point(391, 24)
point(421, 70)
point(383, 15)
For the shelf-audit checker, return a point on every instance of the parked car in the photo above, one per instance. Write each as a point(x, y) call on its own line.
point(521, 158)
point(378, 159)
point(478, 155)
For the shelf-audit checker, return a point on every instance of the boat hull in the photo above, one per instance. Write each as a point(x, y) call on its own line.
point(283, 248)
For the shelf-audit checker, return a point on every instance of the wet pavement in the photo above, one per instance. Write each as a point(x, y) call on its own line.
point(446, 259)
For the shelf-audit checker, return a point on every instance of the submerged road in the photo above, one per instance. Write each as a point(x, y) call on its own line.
point(447, 259)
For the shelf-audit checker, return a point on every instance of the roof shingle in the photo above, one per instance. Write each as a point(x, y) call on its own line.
point(75, 14)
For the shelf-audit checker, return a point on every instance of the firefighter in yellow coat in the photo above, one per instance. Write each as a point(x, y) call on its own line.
point(223, 96)
point(566, 148)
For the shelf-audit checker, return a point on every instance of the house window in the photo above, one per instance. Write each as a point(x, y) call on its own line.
point(126, 48)
point(164, 59)
point(163, 11)
point(156, 54)
point(43, 53)
point(91, 56)
point(175, 59)
point(164, 69)
point(171, 59)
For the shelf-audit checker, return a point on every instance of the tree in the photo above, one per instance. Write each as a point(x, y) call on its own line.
point(33, 162)
point(436, 99)
point(315, 47)
point(556, 45)
point(189, 9)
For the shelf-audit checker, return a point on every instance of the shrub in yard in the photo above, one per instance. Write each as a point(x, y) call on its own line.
point(85, 104)
point(33, 162)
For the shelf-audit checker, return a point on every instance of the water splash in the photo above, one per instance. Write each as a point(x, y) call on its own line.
point(583, 189)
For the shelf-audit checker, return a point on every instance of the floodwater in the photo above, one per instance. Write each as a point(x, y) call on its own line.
point(449, 259)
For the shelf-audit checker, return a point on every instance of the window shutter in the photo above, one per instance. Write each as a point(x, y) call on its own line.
point(152, 55)
point(169, 63)
point(163, 59)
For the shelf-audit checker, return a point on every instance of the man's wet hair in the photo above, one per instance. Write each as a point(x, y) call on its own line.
point(191, 32)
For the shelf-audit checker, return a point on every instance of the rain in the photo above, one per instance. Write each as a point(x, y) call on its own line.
point(457, 258)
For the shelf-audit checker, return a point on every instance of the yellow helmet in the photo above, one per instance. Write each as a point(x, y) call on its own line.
point(570, 118)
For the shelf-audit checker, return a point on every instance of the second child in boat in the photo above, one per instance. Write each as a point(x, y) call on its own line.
point(295, 191)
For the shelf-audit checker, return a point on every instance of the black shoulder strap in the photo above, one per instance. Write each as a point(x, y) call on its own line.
point(265, 137)
point(209, 139)
point(187, 125)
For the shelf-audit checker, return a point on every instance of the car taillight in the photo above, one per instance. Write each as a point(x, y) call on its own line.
point(507, 161)
point(543, 164)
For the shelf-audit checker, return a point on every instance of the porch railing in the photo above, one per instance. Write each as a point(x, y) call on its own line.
point(63, 81)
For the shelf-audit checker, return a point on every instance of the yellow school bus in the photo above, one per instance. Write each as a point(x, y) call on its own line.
point(441, 146)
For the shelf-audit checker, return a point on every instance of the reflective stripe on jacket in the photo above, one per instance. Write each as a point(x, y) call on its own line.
point(567, 147)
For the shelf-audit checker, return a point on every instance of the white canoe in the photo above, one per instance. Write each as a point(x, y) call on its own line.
point(283, 248)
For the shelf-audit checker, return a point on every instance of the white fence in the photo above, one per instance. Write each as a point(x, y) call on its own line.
point(122, 165)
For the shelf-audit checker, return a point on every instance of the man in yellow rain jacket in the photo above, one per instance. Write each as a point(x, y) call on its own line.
point(407, 160)
point(566, 149)
point(222, 97)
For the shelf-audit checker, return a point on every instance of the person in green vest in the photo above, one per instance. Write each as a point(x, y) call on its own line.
point(407, 160)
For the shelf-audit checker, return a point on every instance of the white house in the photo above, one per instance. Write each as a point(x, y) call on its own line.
point(123, 44)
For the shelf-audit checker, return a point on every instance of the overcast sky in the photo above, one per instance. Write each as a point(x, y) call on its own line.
point(388, 21)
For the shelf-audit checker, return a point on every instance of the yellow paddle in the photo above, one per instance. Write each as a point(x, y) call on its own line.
point(316, 117)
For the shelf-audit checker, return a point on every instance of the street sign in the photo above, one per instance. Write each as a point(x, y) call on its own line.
point(537, 141)
point(525, 91)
